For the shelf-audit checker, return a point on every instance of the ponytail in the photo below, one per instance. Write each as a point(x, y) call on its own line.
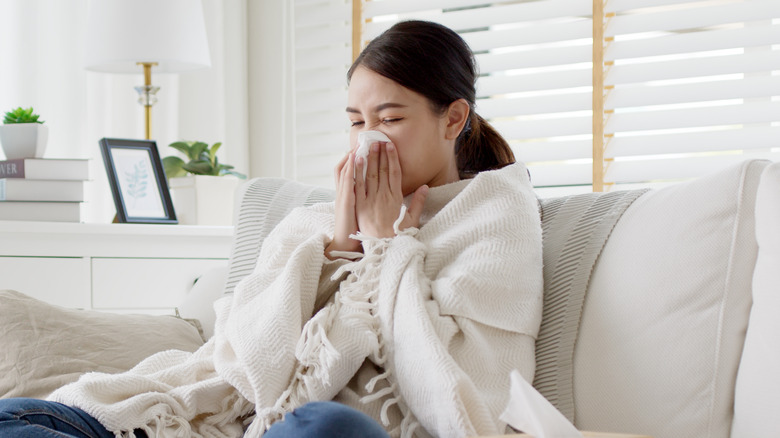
point(480, 147)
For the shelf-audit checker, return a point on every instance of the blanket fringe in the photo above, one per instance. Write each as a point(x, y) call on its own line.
point(409, 425)
point(314, 350)
point(367, 267)
point(232, 407)
point(317, 355)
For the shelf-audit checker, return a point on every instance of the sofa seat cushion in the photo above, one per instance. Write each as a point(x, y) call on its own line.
point(757, 398)
point(666, 311)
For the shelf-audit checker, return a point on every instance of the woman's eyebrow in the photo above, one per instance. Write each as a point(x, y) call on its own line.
point(379, 107)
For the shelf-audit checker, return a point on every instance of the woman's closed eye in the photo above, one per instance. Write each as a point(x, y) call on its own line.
point(386, 121)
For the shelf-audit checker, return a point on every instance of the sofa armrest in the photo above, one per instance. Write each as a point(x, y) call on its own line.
point(199, 302)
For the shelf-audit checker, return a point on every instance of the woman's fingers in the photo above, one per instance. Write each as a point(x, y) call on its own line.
point(346, 216)
point(372, 174)
point(338, 170)
point(384, 171)
point(360, 180)
point(393, 169)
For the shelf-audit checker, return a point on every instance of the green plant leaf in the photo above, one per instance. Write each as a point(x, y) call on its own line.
point(182, 147)
point(234, 173)
point(203, 160)
point(198, 167)
point(213, 153)
point(198, 148)
point(174, 167)
point(21, 115)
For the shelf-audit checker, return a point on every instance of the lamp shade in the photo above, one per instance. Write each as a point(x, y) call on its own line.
point(122, 33)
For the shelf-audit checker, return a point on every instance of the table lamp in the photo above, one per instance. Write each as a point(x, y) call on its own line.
point(130, 36)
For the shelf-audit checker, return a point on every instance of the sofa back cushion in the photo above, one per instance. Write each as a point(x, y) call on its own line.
point(665, 314)
point(757, 398)
point(261, 204)
point(574, 232)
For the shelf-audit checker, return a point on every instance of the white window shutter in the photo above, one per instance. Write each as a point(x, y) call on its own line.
point(534, 60)
point(322, 56)
point(690, 87)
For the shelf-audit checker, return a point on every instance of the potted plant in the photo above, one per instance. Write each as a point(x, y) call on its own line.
point(23, 135)
point(202, 188)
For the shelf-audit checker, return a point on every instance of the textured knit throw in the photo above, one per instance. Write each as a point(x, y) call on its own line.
point(446, 311)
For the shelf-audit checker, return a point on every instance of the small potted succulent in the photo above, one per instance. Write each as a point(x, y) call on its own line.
point(202, 188)
point(23, 135)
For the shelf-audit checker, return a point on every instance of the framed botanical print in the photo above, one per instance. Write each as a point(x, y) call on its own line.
point(137, 181)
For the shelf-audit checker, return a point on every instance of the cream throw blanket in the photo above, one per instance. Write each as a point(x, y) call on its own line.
point(446, 311)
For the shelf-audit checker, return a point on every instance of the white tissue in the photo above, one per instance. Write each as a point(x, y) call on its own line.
point(531, 413)
point(364, 140)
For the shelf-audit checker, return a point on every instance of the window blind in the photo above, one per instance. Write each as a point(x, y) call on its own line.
point(534, 86)
point(689, 87)
point(684, 87)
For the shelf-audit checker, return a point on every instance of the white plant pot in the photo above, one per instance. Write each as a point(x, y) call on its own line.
point(24, 140)
point(203, 199)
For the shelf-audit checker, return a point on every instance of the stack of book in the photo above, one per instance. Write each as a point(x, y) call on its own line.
point(42, 189)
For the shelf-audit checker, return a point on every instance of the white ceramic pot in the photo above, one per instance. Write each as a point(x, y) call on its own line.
point(203, 199)
point(24, 140)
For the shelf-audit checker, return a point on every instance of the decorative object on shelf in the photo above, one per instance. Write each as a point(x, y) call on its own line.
point(202, 188)
point(23, 135)
point(137, 181)
point(202, 161)
point(21, 189)
point(43, 189)
point(46, 168)
point(32, 211)
point(125, 34)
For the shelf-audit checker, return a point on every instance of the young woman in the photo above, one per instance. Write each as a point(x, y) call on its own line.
point(399, 309)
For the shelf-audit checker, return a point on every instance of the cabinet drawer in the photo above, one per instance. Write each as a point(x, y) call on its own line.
point(145, 283)
point(63, 281)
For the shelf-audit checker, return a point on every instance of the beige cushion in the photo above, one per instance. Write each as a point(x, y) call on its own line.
point(757, 398)
point(664, 320)
point(46, 346)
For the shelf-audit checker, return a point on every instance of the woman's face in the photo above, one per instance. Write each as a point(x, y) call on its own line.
point(376, 103)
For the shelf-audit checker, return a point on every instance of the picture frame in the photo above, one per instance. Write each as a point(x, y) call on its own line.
point(138, 182)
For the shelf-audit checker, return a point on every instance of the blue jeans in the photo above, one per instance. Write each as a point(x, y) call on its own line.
point(326, 420)
point(33, 418)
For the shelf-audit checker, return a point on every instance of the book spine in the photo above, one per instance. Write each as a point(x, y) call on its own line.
point(12, 168)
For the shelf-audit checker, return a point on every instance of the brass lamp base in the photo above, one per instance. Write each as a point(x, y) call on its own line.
point(147, 95)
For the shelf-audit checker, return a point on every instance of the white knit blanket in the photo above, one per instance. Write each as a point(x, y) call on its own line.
point(447, 311)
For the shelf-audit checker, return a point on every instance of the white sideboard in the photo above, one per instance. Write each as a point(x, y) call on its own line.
point(113, 267)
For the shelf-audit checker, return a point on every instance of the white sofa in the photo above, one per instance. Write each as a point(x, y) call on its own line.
point(657, 339)
point(661, 307)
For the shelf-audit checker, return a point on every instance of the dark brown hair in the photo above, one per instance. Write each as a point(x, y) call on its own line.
point(433, 60)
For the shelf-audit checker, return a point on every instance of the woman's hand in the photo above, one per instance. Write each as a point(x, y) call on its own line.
point(379, 197)
point(346, 220)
